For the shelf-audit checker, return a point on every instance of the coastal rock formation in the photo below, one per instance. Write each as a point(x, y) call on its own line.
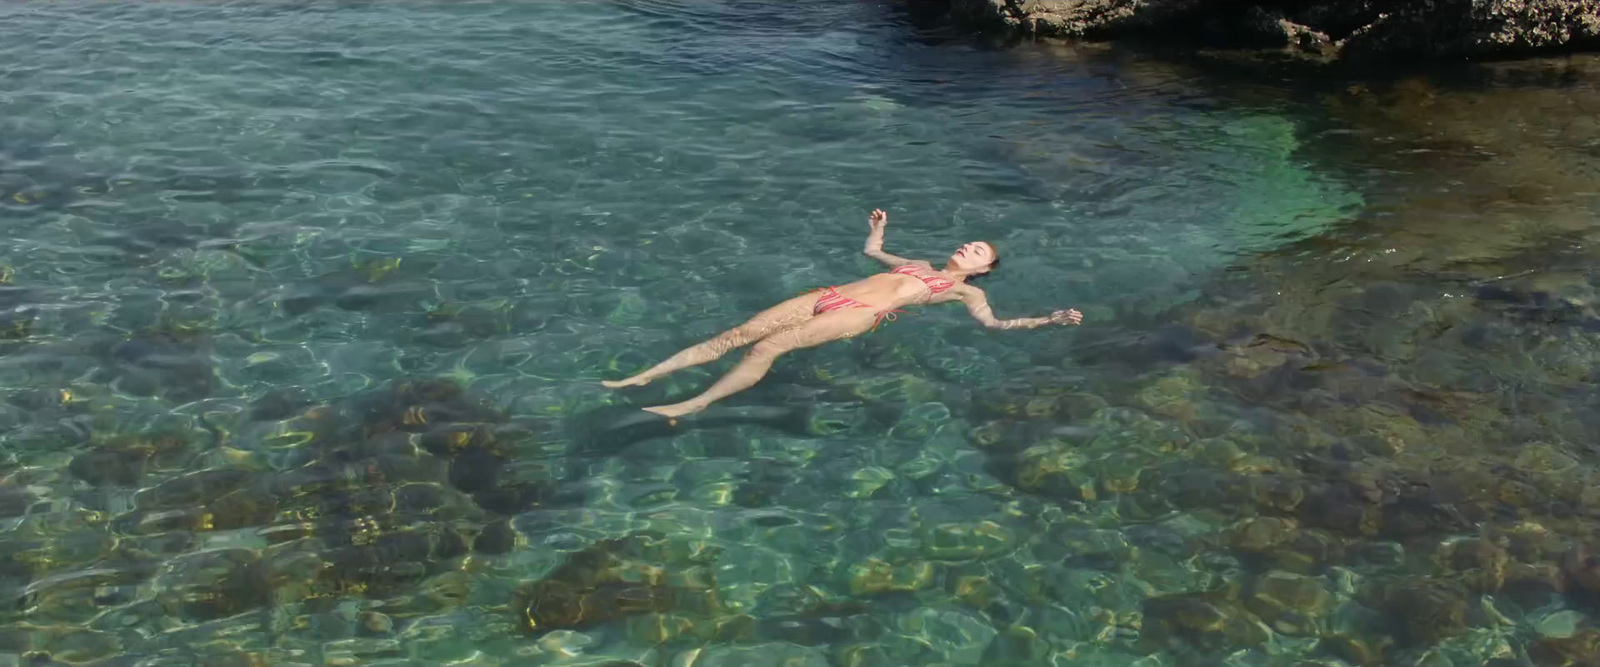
point(1346, 30)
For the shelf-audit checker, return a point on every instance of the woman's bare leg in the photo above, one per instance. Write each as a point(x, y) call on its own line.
point(837, 325)
point(777, 318)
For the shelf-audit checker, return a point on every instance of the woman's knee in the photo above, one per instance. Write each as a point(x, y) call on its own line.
point(768, 348)
point(729, 340)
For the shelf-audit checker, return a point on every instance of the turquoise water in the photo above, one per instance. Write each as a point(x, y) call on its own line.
point(306, 306)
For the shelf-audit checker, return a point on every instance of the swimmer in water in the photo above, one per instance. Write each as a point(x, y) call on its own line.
point(840, 312)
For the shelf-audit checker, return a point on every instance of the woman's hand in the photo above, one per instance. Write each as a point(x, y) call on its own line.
point(878, 220)
point(1067, 317)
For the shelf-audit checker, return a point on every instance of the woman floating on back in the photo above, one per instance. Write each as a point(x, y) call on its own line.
point(842, 311)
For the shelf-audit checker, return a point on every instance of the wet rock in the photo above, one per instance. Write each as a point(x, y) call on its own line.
point(788, 655)
point(246, 507)
point(1382, 554)
point(1531, 542)
point(454, 324)
point(1174, 396)
point(59, 552)
point(1055, 468)
point(1477, 28)
point(1110, 627)
point(150, 522)
point(868, 481)
point(653, 629)
point(1120, 472)
point(957, 636)
point(1559, 625)
point(1185, 485)
point(1541, 460)
point(359, 651)
point(1125, 430)
point(1363, 651)
point(1200, 621)
point(1029, 395)
point(1311, 551)
point(123, 460)
point(376, 563)
point(196, 488)
point(1581, 565)
point(1079, 546)
point(1217, 452)
point(1343, 508)
point(173, 363)
point(1289, 603)
point(994, 434)
point(1478, 563)
point(956, 541)
point(974, 590)
point(496, 538)
point(279, 403)
point(14, 501)
point(1533, 585)
point(1080, 406)
point(78, 596)
point(447, 589)
point(1357, 32)
point(420, 498)
point(1265, 353)
point(212, 584)
point(76, 645)
point(1422, 611)
point(294, 571)
point(156, 547)
point(1577, 650)
point(615, 579)
point(874, 576)
point(1016, 645)
point(375, 623)
point(1262, 534)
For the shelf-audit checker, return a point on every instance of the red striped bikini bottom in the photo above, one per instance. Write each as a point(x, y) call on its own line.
point(832, 300)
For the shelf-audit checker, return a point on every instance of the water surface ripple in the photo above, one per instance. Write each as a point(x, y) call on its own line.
point(304, 307)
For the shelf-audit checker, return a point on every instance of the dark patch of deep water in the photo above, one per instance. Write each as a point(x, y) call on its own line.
point(304, 308)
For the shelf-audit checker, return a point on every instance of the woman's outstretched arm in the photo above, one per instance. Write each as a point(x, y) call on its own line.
point(978, 305)
point(874, 248)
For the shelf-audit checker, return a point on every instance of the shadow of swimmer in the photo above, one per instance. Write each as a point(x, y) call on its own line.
point(611, 430)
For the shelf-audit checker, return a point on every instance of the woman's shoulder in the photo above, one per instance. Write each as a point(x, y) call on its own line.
point(964, 290)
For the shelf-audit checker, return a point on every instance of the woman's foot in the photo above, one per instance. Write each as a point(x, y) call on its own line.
point(676, 410)
point(635, 381)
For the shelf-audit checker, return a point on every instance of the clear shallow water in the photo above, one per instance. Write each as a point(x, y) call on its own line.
point(308, 306)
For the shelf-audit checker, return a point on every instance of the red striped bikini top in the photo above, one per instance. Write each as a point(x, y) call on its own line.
point(935, 284)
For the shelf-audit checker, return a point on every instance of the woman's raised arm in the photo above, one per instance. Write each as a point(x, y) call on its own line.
point(874, 248)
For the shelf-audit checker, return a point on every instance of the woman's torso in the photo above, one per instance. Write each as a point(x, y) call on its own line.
point(905, 286)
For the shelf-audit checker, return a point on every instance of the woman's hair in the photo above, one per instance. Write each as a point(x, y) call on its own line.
point(994, 264)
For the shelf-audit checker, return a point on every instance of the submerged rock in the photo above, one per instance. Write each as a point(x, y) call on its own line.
point(1421, 611)
point(776, 653)
point(212, 584)
point(616, 579)
point(1055, 468)
point(875, 576)
point(1203, 621)
point(1262, 533)
point(1478, 563)
point(1559, 625)
point(1582, 648)
point(1290, 603)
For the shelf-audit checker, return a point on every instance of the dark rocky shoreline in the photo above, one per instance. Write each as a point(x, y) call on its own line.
point(1361, 32)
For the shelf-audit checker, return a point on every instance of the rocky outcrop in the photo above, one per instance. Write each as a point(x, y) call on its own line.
point(1346, 30)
